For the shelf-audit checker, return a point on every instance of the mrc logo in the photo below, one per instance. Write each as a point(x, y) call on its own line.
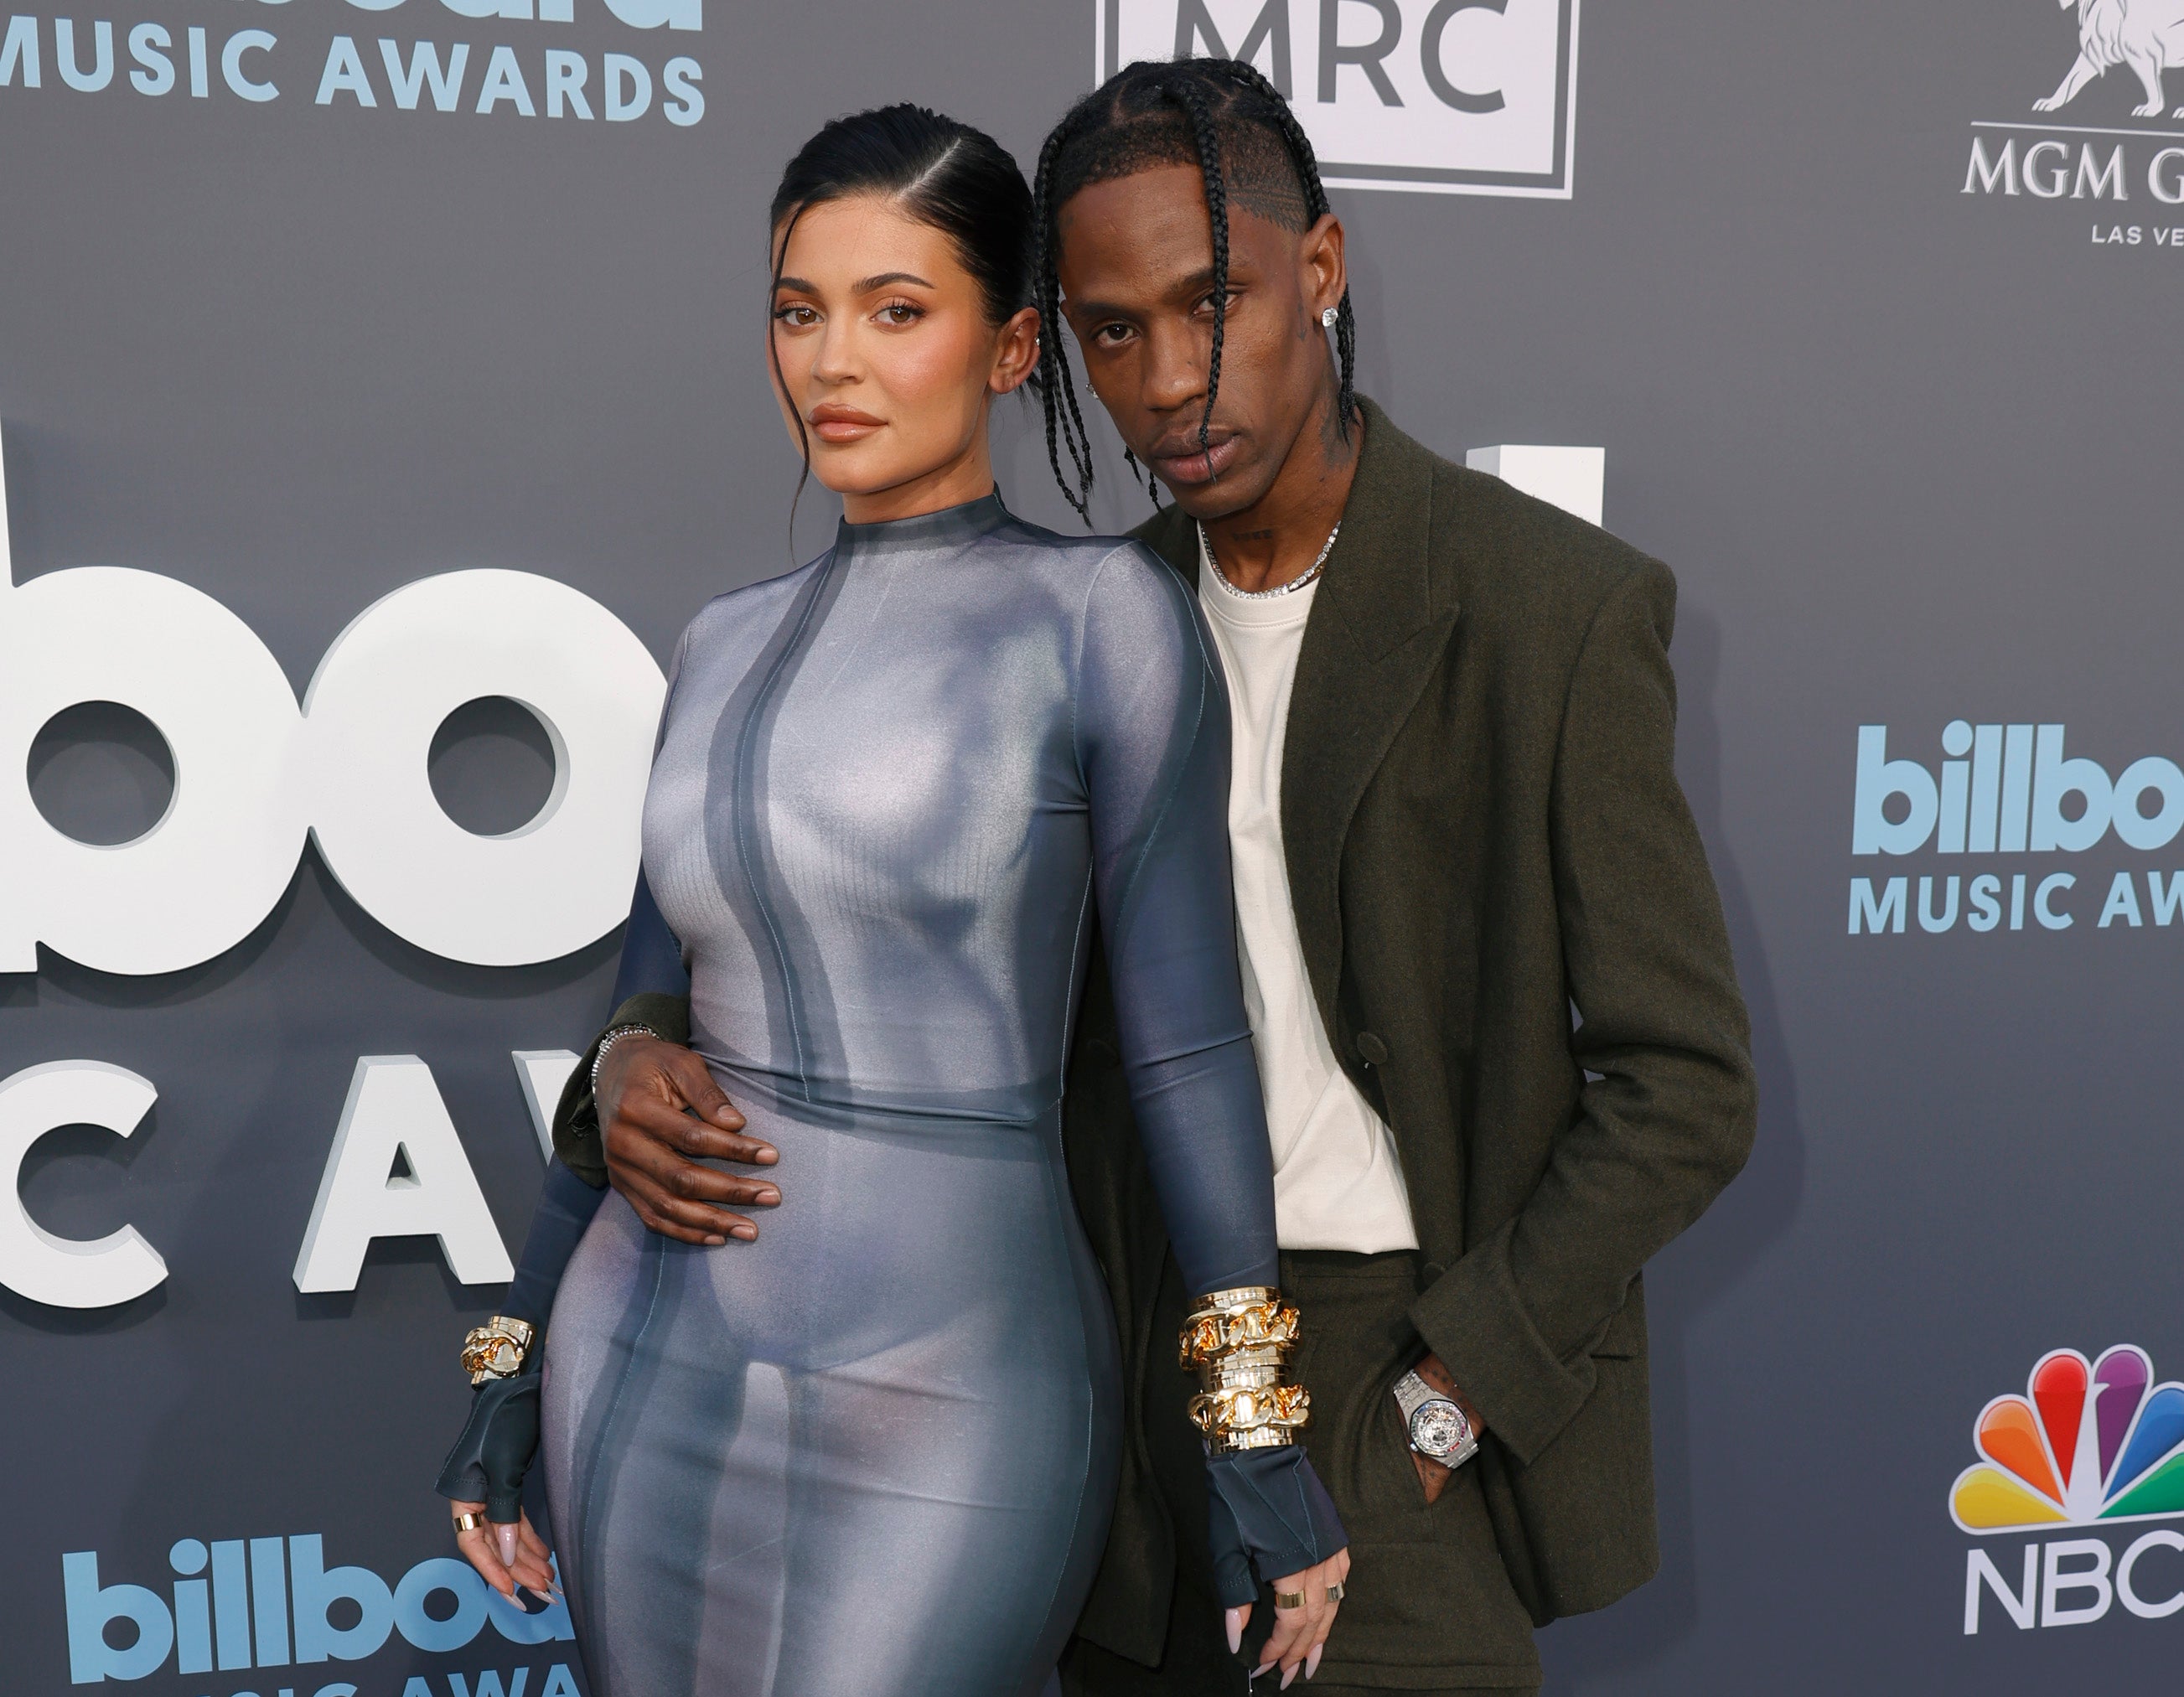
point(1445, 97)
point(2089, 1446)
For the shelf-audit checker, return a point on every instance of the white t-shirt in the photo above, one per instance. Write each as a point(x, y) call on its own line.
point(1338, 1184)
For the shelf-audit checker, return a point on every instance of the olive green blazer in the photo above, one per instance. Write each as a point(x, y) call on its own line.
point(1484, 831)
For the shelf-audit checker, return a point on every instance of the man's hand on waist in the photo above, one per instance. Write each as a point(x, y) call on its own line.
point(662, 1113)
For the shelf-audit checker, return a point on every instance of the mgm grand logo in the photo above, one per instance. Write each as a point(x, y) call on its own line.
point(2146, 37)
point(2113, 135)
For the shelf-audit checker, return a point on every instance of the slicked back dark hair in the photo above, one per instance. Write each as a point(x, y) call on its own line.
point(942, 172)
point(1223, 116)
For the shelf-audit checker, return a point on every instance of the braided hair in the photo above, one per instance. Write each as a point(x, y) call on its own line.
point(1221, 115)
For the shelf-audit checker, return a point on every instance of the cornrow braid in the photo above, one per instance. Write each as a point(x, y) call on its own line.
point(1316, 205)
point(1204, 111)
point(1057, 391)
point(1192, 99)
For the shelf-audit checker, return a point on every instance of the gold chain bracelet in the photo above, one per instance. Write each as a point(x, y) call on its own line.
point(496, 1349)
point(1239, 1342)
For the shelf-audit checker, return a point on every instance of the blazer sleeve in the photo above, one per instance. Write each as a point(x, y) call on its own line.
point(652, 987)
point(1666, 1114)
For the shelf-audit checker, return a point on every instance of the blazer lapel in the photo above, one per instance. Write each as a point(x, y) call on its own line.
point(1375, 635)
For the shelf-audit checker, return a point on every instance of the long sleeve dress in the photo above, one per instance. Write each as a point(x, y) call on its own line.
point(873, 1451)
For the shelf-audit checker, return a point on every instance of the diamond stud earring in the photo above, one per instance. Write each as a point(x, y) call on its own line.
point(1327, 319)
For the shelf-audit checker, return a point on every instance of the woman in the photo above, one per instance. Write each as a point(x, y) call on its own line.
point(873, 1451)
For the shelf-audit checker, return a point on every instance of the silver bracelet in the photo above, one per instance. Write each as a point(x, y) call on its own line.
point(613, 1037)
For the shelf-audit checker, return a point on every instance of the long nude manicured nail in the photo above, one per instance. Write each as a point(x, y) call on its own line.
point(505, 1536)
point(1288, 1677)
point(1312, 1662)
point(1235, 1631)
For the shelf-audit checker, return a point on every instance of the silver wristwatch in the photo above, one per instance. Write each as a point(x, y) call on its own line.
point(1439, 1431)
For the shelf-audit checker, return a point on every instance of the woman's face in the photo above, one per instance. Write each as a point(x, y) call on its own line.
point(885, 353)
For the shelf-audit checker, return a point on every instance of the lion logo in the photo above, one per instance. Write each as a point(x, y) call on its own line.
point(2146, 35)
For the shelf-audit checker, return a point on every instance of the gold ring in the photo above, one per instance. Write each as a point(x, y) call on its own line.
point(1289, 1600)
point(469, 1522)
point(1334, 1592)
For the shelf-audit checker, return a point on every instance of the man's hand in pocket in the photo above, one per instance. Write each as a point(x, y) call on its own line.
point(1434, 1476)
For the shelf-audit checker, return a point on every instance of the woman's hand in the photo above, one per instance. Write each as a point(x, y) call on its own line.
point(1300, 1634)
point(507, 1556)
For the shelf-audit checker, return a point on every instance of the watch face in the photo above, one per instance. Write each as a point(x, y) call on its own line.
point(1437, 1427)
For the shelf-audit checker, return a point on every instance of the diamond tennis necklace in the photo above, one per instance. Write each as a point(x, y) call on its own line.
point(1221, 577)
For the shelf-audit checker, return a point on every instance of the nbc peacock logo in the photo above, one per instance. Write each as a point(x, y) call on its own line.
point(2088, 1443)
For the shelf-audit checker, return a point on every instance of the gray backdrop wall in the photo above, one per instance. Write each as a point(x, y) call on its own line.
point(1895, 398)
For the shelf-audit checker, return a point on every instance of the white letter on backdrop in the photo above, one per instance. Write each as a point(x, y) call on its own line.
point(1573, 479)
point(394, 1108)
point(69, 1273)
point(543, 1073)
point(251, 772)
point(200, 880)
point(403, 665)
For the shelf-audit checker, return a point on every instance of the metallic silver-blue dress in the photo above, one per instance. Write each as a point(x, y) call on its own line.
point(872, 1452)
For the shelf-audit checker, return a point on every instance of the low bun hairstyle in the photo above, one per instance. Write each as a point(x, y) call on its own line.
point(943, 173)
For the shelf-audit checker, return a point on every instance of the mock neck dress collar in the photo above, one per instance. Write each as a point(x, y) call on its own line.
point(950, 526)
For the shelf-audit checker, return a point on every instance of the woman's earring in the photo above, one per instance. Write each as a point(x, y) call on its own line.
point(1327, 319)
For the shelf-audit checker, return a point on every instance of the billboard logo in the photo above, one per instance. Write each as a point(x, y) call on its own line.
point(256, 772)
point(1445, 97)
point(2148, 36)
point(272, 1602)
point(254, 66)
point(2006, 789)
point(2089, 1446)
point(2009, 790)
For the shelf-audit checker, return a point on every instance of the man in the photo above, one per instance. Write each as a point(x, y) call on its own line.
point(1455, 818)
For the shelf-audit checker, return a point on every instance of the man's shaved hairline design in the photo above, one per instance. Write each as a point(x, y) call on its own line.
point(1255, 165)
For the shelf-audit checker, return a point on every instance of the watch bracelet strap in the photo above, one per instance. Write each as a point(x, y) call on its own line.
point(1412, 1392)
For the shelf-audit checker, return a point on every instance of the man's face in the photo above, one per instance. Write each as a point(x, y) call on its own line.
point(1136, 265)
